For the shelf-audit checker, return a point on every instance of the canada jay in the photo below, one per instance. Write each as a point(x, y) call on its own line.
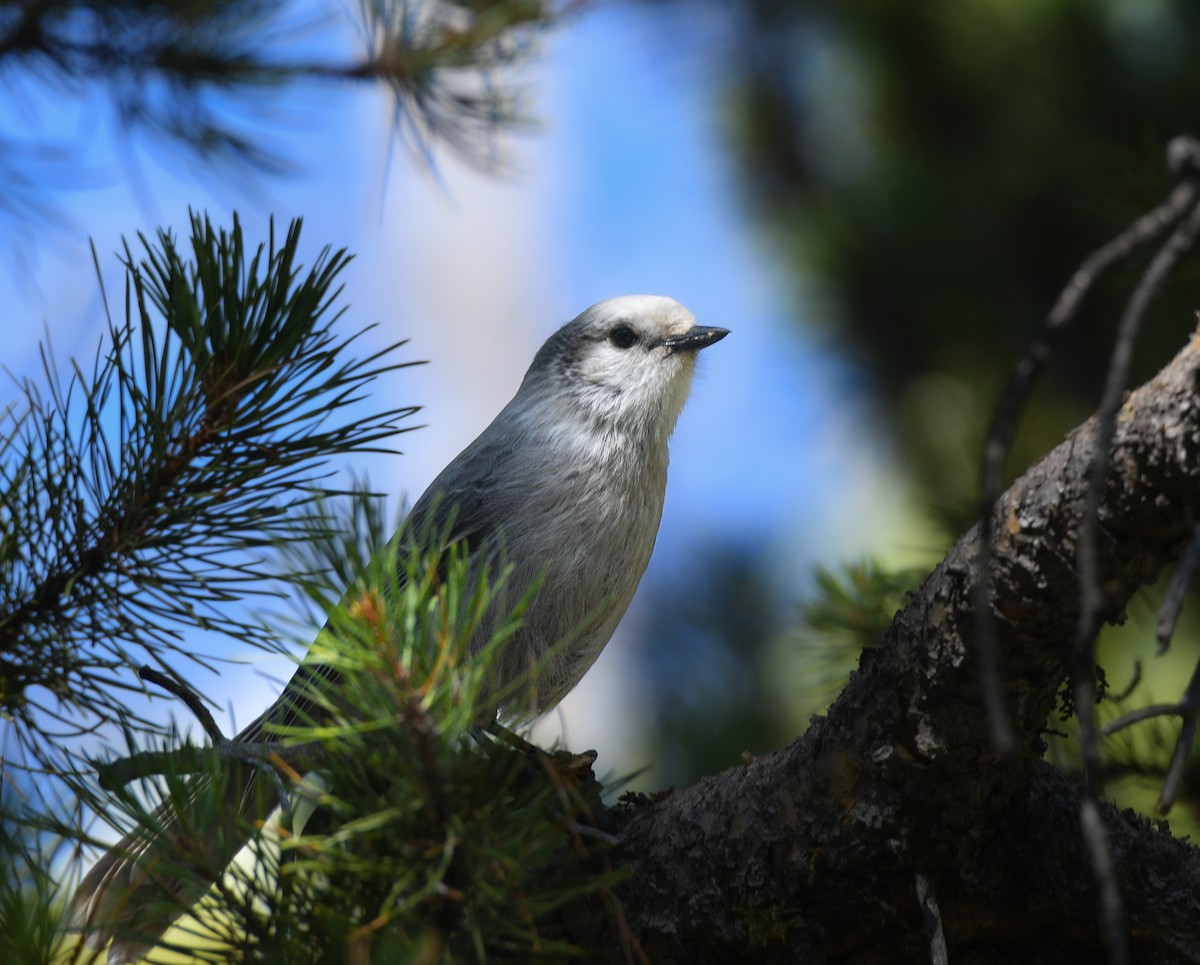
point(570, 476)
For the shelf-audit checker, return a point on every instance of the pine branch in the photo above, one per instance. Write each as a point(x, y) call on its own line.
point(145, 494)
point(164, 66)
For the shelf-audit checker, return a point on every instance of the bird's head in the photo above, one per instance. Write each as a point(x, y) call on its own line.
point(626, 363)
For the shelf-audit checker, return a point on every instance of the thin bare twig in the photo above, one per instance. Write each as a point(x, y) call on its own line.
point(1172, 604)
point(1111, 906)
point(1131, 686)
point(190, 759)
point(1181, 210)
point(1183, 157)
point(194, 702)
point(1091, 594)
point(1141, 714)
point(938, 955)
point(1179, 759)
point(1188, 710)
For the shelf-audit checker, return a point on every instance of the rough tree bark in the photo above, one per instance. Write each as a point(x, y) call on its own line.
point(811, 854)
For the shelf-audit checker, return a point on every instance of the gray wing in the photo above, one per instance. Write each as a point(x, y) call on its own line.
point(459, 505)
point(455, 509)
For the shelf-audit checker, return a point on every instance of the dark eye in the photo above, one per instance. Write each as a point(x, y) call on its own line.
point(622, 336)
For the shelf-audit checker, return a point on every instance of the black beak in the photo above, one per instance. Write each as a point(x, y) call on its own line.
point(698, 338)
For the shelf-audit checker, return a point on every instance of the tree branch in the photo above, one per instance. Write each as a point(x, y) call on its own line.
point(812, 851)
point(189, 759)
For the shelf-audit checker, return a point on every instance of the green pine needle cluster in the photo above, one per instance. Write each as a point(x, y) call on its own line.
point(143, 493)
point(428, 842)
point(848, 612)
point(408, 834)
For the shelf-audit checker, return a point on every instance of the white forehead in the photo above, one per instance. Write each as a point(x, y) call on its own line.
point(657, 311)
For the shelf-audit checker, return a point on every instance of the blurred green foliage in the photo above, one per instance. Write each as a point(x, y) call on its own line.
point(931, 174)
point(928, 176)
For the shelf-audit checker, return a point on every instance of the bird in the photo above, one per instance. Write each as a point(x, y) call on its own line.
point(569, 481)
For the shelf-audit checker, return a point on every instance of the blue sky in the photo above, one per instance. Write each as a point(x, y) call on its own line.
point(626, 186)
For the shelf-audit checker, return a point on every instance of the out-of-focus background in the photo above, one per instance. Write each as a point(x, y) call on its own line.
point(879, 200)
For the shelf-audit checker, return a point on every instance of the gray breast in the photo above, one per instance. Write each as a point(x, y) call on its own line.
point(588, 531)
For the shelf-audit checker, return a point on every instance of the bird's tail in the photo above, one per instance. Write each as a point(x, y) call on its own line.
point(160, 870)
point(157, 872)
